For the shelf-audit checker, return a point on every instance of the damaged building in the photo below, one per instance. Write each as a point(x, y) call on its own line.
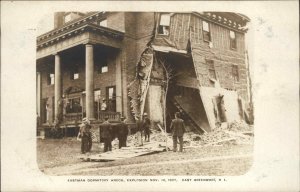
point(137, 62)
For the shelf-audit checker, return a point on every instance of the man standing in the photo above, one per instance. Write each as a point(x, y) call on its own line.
point(103, 105)
point(86, 136)
point(177, 129)
point(106, 134)
point(122, 133)
point(146, 125)
point(139, 133)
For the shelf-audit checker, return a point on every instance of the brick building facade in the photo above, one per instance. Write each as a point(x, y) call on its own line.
point(139, 62)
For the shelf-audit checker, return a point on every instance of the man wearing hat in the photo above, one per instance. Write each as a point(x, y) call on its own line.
point(146, 125)
point(106, 134)
point(85, 135)
point(122, 133)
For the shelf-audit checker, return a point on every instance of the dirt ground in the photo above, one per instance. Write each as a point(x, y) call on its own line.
point(60, 157)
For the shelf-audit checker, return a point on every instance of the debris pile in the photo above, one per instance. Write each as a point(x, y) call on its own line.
point(226, 134)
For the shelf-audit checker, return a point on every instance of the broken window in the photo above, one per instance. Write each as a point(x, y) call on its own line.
point(206, 31)
point(232, 40)
point(50, 79)
point(211, 69)
point(75, 72)
point(235, 73)
point(164, 24)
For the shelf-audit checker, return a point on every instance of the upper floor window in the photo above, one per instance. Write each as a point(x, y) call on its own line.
point(206, 31)
point(75, 72)
point(211, 69)
point(50, 79)
point(235, 73)
point(102, 67)
point(67, 18)
point(164, 24)
point(103, 23)
point(232, 40)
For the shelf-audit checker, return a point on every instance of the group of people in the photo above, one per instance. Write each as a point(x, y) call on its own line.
point(107, 133)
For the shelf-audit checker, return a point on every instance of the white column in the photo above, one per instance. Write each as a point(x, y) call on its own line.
point(119, 84)
point(57, 85)
point(89, 81)
point(38, 94)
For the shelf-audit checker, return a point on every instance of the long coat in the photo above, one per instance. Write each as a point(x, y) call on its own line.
point(177, 127)
point(106, 130)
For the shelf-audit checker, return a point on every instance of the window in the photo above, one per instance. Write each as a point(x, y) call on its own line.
point(103, 23)
point(235, 73)
point(50, 79)
point(75, 72)
point(97, 95)
point(211, 69)
point(67, 18)
point(232, 40)
point(74, 106)
point(111, 98)
point(206, 31)
point(102, 67)
point(164, 24)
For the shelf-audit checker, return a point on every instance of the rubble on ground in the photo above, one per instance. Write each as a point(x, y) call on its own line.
point(225, 134)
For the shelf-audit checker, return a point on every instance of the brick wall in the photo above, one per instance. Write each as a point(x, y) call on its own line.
point(138, 30)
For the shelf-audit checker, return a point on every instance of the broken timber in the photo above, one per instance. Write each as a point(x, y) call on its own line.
point(127, 152)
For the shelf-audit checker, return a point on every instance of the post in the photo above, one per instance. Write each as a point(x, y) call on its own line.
point(57, 86)
point(89, 81)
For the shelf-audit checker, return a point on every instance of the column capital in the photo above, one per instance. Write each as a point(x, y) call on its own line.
point(55, 53)
point(88, 43)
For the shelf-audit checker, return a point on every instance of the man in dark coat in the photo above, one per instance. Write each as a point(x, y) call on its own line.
point(146, 126)
point(105, 133)
point(177, 129)
point(86, 136)
point(122, 133)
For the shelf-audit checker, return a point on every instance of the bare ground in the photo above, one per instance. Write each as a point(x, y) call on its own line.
point(60, 157)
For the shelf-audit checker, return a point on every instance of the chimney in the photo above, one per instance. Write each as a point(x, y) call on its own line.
point(58, 19)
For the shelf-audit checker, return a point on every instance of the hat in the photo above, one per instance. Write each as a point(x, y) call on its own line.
point(145, 114)
point(85, 121)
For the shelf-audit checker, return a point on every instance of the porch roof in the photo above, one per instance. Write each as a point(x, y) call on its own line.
point(81, 32)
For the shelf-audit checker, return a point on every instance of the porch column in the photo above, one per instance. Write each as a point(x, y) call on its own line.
point(89, 81)
point(57, 86)
point(119, 84)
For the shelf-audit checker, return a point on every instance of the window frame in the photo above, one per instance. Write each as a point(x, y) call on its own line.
point(101, 65)
point(50, 77)
point(235, 73)
point(74, 71)
point(159, 25)
point(71, 103)
point(204, 32)
point(211, 68)
point(233, 41)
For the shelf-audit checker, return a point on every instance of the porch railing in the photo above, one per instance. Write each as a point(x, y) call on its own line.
point(112, 116)
point(71, 118)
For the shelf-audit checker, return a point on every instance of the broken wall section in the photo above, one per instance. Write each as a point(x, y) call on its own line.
point(221, 105)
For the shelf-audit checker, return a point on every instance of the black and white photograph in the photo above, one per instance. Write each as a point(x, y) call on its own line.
point(120, 97)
